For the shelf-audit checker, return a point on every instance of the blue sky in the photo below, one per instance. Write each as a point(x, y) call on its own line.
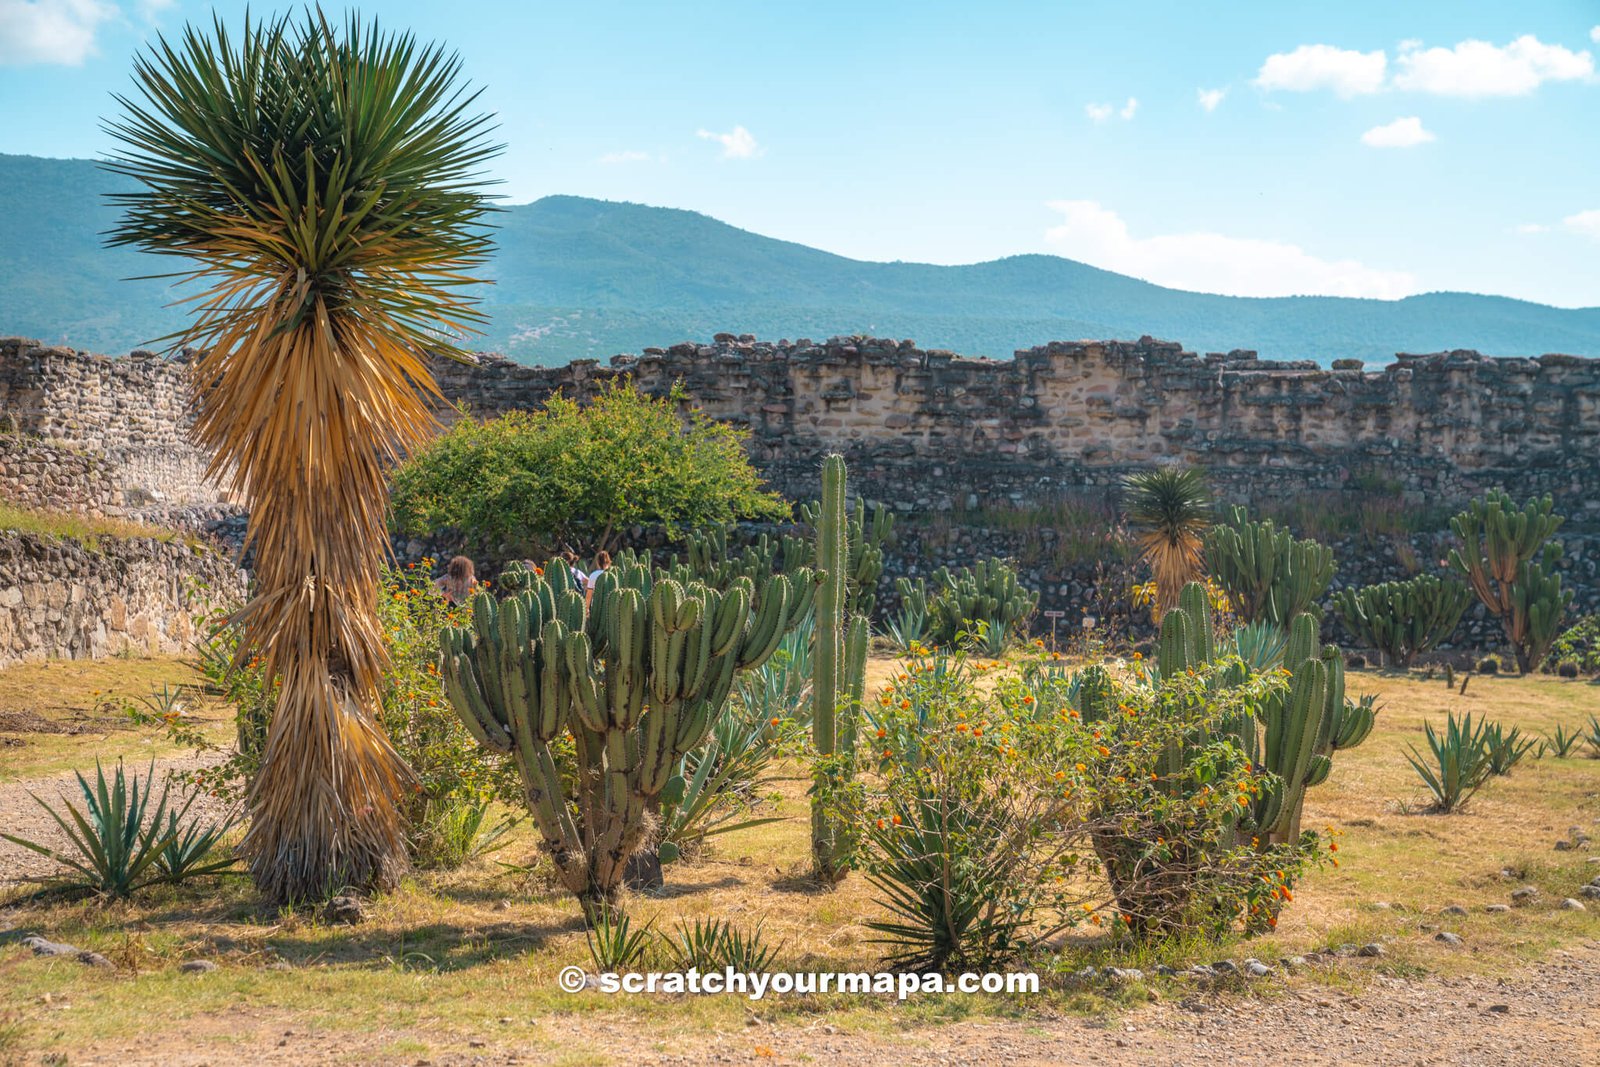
point(1372, 149)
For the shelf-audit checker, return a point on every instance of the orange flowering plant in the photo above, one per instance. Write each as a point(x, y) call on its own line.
point(1045, 798)
point(1172, 804)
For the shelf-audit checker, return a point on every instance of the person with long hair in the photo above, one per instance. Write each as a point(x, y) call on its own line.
point(459, 580)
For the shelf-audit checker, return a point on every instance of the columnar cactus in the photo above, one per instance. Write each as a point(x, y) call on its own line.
point(1497, 557)
point(1267, 574)
point(839, 663)
point(1298, 728)
point(865, 535)
point(1401, 619)
point(637, 678)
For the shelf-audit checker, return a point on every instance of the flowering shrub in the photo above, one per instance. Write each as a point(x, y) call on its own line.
point(1007, 812)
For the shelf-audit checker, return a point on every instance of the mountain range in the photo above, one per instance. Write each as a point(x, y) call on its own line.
point(580, 278)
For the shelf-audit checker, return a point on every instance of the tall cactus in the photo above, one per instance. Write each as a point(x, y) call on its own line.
point(1268, 575)
point(1508, 559)
point(867, 531)
point(838, 663)
point(637, 677)
point(1401, 619)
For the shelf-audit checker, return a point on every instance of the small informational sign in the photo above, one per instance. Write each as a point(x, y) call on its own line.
point(1055, 614)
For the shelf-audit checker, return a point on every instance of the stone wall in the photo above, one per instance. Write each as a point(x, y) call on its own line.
point(931, 431)
point(102, 436)
point(73, 600)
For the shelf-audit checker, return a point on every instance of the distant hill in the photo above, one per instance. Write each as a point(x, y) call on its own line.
point(588, 278)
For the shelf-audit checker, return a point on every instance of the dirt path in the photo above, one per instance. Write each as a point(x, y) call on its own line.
point(22, 816)
point(1547, 1016)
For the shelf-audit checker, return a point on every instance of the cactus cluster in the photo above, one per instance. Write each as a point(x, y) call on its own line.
point(867, 530)
point(1268, 575)
point(706, 558)
point(636, 676)
point(1297, 729)
point(839, 669)
point(1401, 619)
point(1508, 559)
point(987, 592)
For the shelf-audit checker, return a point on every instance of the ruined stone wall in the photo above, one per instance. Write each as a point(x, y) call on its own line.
point(102, 436)
point(61, 598)
point(931, 431)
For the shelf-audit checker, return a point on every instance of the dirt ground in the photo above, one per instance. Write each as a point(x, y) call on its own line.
point(1547, 1016)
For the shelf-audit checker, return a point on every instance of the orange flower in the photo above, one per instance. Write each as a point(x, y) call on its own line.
point(1103, 750)
point(880, 824)
point(773, 721)
point(905, 705)
point(896, 820)
point(1027, 700)
point(882, 732)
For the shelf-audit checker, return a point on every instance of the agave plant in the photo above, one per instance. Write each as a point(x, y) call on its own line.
point(1171, 507)
point(1505, 748)
point(614, 945)
point(717, 786)
point(1561, 743)
point(118, 844)
point(319, 183)
point(1460, 762)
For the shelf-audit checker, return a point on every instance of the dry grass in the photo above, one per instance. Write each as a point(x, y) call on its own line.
point(453, 958)
point(59, 715)
point(72, 526)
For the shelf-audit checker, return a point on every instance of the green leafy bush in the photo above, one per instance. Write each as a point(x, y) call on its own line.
point(580, 472)
point(1579, 644)
point(1008, 811)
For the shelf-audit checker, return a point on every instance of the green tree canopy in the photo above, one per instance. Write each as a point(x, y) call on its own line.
point(578, 473)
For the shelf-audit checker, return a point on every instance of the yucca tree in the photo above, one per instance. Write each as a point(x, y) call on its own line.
point(321, 181)
point(1171, 509)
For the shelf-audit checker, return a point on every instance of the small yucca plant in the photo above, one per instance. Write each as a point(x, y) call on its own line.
point(1171, 509)
point(319, 182)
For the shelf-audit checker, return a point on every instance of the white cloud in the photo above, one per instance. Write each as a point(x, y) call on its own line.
point(50, 31)
point(737, 143)
point(1594, 35)
point(1099, 113)
point(1586, 223)
point(1401, 133)
point(1322, 66)
point(1210, 98)
point(624, 157)
point(1212, 262)
point(1478, 68)
point(1531, 227)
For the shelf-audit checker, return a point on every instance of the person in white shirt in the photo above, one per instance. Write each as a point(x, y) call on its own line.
point(602, 561)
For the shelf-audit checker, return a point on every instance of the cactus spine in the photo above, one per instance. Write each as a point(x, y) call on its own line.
point(637, 678)
point(838, 663)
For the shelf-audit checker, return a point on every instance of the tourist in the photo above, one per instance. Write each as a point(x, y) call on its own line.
point(580, 581)
point(602, 563)
point(459, 580)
